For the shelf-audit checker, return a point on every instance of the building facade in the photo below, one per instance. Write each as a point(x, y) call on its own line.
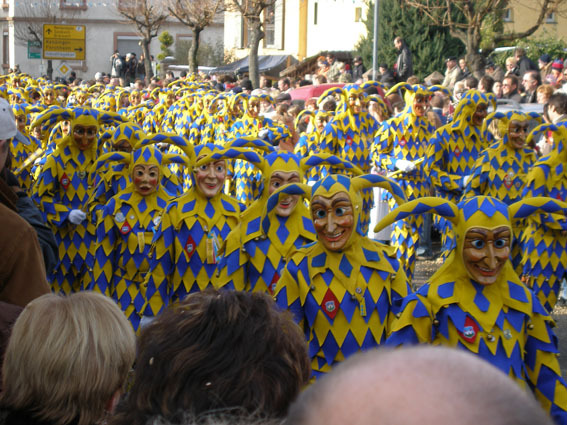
point(301, 28)
point(105, 32)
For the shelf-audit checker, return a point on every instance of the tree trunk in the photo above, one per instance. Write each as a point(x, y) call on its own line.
point(257, 36)
point(147, 60)
point(473, 56)
point(193, 65)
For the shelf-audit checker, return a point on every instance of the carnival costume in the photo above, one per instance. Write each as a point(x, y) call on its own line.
point(309, 143)
point(186, 244)
point(246, 178)
point(24, 145)
point(253, 256)
point(501, 170)
point(62, 191)
point(126, 228)
point(453, 151)
point(402, 143)
point(350, 135)
point(345, 298)
point(545, 238)
point(476, 302)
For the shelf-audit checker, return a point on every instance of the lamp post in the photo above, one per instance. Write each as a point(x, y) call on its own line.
point(375, 46)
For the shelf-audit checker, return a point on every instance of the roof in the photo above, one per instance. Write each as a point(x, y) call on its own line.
point(267, 64)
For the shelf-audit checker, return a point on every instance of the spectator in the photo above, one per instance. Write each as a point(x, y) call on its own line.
point(344, 75)
point(246, 85)
point(557, 108)
point(322, 65)
point(116, 64)
point(141, 68)
point(544, 92)
point(228, 351)
point(556, 76)
point(511, 67)
point(510, 88)
point(465, 72)
point(531, 81)
point(485, 84)
point(497, 89)
point(471, 82)
point(452, 74)
point(131, 66)
point(544, 64)
point(67, 361)
point(265, 82)
point(494, 71)
point(358, 69)
point(377, 384)
point(333, 71)
point(319, 79)
point(403, 68)
point(524, 64)
point(284, 85)
point(387, 76)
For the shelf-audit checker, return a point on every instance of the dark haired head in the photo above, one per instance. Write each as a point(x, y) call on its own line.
point(224, 351)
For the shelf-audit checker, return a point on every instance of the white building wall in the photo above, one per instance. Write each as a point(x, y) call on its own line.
point(336, 28)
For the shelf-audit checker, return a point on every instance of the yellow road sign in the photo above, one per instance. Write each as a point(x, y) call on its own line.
point(64, 42)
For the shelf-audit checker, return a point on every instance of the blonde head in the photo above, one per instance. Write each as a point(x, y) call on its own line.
point(67, 357)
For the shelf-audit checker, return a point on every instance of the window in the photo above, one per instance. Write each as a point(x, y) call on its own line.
point(315, 10)
point(507, 16)
point(550, 18)
point(270, 25)
point(128, 44)
point(357, 14)
point(73, 4)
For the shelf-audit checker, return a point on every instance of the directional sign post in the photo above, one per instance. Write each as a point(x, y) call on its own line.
point(64, 42)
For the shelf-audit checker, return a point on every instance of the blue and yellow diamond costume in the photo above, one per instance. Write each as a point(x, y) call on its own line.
point(502, 322)
point(63, 186)
point(545, 238)
point(246, 179)
point(501, 172)
point(343, 300)
point(185, 246)
point(406, 137)
point(255, 253)
point(452, 153)
point(350, 136)
point(125, 232)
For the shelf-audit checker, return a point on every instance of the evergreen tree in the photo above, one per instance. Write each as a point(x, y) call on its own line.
point(429, 45)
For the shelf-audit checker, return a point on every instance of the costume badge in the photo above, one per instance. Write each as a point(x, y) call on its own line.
point(508, 180)
point(273, 283)
point(470, 330)
point(119, 217)
point(330, 304)
point(403, 142)
point(457, 152)
point(82, 174)
point(189, 247)
point(65, 181)
point(349, 140)
point(125, 228)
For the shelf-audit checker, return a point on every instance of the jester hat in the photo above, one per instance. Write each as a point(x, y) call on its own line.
point(476, 212)
point(506, 117)
point(411, 91)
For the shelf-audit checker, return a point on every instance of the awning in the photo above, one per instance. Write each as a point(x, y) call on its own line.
point(270, 65)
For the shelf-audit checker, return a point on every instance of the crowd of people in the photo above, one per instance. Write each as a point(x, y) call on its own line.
point(194, 250)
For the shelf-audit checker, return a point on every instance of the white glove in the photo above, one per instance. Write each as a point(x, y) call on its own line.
point(263, 133)
point(77, 216)
point(405, 165)
point(466, 179)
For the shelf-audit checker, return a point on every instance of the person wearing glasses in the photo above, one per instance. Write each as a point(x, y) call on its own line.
point(510, 88)
point(531, 81)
